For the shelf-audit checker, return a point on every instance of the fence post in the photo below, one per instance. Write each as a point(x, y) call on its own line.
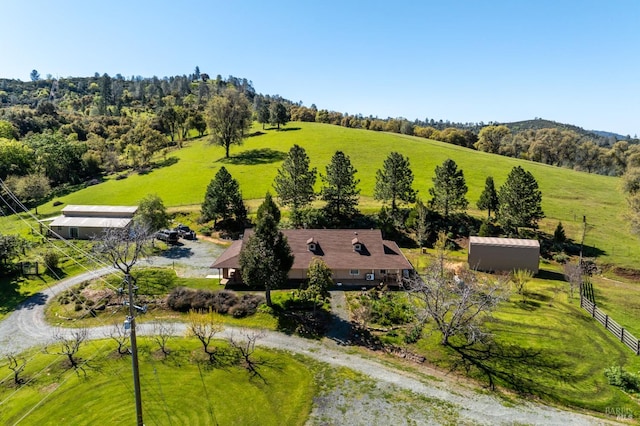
point(593, 310)
point(606, 321)
point(622, 334)
point(638, 347)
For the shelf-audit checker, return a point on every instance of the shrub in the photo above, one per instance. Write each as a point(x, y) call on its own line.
point(183, 299)
point(560, 258)
point(223, 300)
point(180, 299)
point(616, 376)
point(247, 305)
point(51, 260)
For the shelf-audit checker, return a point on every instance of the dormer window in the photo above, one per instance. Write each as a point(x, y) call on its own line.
point(311, 244)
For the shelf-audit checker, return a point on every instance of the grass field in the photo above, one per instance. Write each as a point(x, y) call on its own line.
point(547, 347)
point(567, 195)
point(226, 395)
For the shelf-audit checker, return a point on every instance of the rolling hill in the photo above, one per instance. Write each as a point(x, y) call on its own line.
point(567, 195)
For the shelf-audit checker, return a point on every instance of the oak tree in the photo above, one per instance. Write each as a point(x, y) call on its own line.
point(228, 118)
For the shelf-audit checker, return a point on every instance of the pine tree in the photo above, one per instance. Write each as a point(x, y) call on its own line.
point(294, 182)
point(449, 189)
point(489, 198)
point(340, 187)
point(268, 206)
point(223, 198)
point(520, 201)
point(394, 180)
point(266, 258)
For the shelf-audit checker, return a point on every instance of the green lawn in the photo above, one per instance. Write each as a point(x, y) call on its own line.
point(548, 347)
point(175, 390)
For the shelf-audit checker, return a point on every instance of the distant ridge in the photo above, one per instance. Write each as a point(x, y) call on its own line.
point(539, 123)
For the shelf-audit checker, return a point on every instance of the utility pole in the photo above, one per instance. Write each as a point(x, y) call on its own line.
point(134, 351)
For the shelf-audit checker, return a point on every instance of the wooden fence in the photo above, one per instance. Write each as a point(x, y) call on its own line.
point(616, 329)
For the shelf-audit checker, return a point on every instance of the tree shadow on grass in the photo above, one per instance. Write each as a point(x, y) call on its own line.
point(525, 370)
point(545, 274)
point(312, 324)
point(255, 156)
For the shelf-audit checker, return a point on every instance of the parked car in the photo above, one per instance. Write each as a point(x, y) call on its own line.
point(167, 235)
point(185, 232)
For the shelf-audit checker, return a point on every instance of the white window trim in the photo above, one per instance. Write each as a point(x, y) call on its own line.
point(351, 272)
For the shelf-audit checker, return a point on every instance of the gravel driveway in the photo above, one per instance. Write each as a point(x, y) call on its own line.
point(433, 401)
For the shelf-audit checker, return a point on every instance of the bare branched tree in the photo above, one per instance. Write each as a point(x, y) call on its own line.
point(121, 336)
point(245, 346)
point(458, 304)
point(573, 273)
point(70, 345)
point(204, 327)
point(124, 247)
point(16, 365)
point(162, 332)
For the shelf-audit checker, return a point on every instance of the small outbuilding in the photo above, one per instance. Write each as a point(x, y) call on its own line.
point(492, 254)
point(85, 222)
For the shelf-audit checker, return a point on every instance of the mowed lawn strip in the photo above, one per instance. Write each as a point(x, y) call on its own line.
point(174, 390)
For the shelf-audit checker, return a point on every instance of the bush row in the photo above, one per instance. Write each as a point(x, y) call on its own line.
point(184, 299)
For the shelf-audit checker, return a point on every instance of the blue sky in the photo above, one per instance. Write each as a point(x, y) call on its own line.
point(569, 61)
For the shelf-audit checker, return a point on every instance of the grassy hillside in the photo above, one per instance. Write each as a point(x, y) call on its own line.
point(567, 194)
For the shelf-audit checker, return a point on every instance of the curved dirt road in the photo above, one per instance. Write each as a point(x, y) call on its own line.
point(26, 327)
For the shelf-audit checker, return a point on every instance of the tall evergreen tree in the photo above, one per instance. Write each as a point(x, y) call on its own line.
point(268, 206)
point(394, 180)
point(294, 182)
point(266, 258)
point(449, 188)
point(489, 198)
point(340, 187)
point(223, 198)
point(520, 201)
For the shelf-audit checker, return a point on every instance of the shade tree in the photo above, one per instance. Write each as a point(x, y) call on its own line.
point(228, 118)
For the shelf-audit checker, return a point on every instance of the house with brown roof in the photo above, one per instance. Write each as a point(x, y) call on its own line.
point(89, 221)
point(354, 256)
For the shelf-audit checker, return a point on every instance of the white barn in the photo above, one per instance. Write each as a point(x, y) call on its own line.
point(85, 222)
